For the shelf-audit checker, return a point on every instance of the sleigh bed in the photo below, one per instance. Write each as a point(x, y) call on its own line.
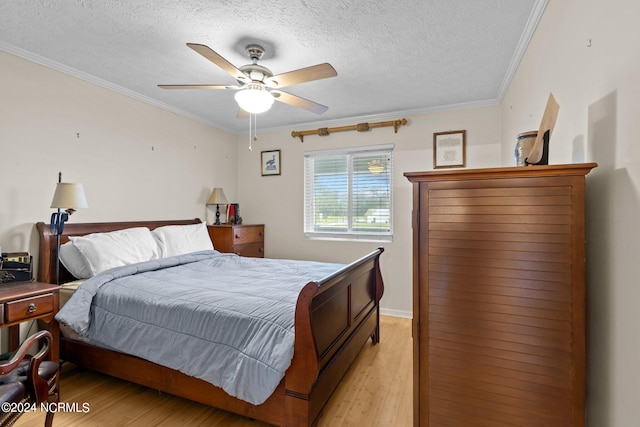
point(334, 318)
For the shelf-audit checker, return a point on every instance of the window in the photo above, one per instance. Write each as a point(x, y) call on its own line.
point(347, 193)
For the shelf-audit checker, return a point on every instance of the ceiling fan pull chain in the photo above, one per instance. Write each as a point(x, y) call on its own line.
point(255, 128)
point(251, 117)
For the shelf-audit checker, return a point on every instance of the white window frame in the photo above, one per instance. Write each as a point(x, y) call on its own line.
point(309, 208)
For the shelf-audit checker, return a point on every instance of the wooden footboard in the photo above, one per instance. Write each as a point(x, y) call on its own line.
point(334, 319)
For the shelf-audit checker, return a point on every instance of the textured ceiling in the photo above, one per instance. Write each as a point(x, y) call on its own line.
point(392, 57)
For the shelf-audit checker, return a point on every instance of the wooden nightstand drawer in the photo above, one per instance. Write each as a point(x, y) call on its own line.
point(27, 301)
point(26, 308)
point(242, 235)
point(250, 249)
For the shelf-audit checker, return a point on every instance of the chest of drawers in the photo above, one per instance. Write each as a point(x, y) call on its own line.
point(499, 296)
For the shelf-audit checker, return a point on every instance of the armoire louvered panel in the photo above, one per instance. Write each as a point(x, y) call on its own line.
point(499, 320)
point(472, 296)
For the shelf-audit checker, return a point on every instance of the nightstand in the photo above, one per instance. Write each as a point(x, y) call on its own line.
point(26, 301)
point(240, 239)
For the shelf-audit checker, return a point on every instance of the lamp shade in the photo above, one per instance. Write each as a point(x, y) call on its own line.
point(69, 196)
point(217, 197)
point(254, 99)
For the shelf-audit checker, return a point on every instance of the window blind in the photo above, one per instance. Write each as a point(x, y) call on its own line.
point(348, 193)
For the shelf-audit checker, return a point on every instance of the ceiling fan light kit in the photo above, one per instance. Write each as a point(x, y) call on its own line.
point(254, 99)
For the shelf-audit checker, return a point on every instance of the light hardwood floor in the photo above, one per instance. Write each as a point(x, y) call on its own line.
point(377, 391)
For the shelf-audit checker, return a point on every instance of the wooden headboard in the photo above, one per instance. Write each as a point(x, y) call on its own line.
point(48, 246)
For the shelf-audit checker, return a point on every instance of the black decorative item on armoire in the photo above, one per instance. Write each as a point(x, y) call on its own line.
point(539, 154)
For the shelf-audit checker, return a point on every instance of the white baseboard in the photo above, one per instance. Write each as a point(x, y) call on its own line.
point(396, 313)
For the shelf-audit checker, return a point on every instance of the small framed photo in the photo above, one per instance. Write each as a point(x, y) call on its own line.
point(449, 149)
point(270, 162)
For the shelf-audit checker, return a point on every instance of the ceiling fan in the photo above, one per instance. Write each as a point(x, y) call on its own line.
point(258, 87)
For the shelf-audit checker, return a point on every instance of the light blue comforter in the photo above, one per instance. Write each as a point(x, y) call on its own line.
point(226, 319)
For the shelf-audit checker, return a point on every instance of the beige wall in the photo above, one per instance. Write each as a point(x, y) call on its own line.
point(277, 201)
point(136, 161)
point(586, 52)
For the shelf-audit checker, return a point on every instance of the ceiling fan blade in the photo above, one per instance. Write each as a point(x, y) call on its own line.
point(299, 102)
point(214, 57)
point(242, 114)
point(315, 72)
point(198, 87)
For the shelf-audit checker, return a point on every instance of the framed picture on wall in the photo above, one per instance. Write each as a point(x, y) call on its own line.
point(270, 162)
point(449, 149)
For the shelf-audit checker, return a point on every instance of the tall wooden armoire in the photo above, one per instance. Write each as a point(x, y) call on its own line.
point(499, 296)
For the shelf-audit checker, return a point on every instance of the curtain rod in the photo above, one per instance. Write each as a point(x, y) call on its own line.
point(360, 127)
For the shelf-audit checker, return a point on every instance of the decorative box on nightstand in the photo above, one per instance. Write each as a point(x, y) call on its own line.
point(243, 239)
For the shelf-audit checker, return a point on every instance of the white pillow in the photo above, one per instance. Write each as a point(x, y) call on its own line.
point(74, 261)
point(116, 248)
point(182, 239)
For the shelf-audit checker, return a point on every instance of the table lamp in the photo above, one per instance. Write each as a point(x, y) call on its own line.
point(217, 198)
point(70, 197)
